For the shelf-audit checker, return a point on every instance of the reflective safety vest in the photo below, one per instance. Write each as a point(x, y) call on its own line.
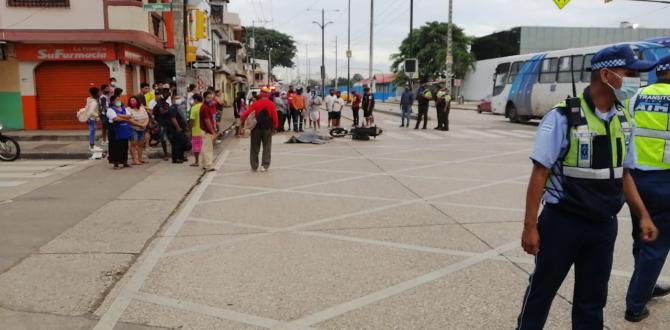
point(592, 167)
point(427, 94)
point(444, 95)
point(651, 107)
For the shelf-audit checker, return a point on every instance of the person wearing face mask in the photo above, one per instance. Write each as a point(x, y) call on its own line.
point(112, 82)
point(176, 130)
point(120, 133)
point(581, 163)
point(649, 108)
point(139, 114)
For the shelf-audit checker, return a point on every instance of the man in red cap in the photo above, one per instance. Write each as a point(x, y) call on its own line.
point(267, 121)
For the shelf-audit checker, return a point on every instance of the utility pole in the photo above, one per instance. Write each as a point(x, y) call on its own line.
point(411, 41)
point(307, 62)
point(323, 25)
point(253, 46)
point(349, 51)
point(269, 65)
point(450, 58)
point(372, 18)
point(178, 12)
point(335, 62)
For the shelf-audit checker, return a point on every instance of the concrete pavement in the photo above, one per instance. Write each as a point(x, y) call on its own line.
point(413, 230)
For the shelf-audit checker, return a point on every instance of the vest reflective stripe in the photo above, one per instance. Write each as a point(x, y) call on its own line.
point(652, 134)
point(589, 173)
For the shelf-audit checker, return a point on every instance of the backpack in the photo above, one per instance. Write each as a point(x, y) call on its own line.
point(82, 115)
point(263, 120)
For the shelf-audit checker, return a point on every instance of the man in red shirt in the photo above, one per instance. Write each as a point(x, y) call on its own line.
point(355, 106)
point(208, 127)
point(267, 122)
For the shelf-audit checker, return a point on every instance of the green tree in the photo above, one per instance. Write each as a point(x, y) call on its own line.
point(356, 78)
point(283, 46)
point(431, 51)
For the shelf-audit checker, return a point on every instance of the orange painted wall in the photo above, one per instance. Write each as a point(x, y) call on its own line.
point(29, 112)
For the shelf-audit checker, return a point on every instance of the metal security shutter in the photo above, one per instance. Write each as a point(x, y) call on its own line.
point(129, 80)
point(62, 89)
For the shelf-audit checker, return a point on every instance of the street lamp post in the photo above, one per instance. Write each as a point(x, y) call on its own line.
point(349, 51)
point(323, 25)
point(450, 58)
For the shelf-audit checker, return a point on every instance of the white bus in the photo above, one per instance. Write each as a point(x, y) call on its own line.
point(527, 86)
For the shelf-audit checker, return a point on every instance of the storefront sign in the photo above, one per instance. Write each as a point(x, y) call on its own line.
point(93, 52)
point(129, 54)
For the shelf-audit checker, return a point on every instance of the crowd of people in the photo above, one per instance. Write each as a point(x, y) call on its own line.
point(155, 115)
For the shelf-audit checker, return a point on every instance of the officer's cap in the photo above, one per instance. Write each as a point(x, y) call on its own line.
point(619, 56)
point(663, 64)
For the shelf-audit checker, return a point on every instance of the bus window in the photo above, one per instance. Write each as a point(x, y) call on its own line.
point(578, 63)
point(586, 74)
point(500, 78)
point(565, 67)
point(514, 71)
point(549, 69)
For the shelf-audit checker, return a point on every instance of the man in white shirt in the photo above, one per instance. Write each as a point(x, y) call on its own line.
point(329, 106)
point(336, 109)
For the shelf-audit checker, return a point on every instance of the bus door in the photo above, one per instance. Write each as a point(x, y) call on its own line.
point(499, 95)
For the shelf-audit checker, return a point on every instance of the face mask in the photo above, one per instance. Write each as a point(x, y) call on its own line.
point(118, 103)
point(113, 84)
point(629, 86)
point(178, 101)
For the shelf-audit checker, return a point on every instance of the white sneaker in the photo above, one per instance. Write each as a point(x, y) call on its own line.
point(95, 148)
point(263, 169)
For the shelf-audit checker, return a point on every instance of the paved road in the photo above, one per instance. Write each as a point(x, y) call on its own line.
point(414, 230)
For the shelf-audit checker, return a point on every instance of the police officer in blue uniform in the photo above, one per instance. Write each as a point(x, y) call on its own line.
point(580, 169)
point(650, 109)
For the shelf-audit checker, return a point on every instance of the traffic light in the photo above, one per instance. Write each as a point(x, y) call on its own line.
point(200, 25)
point(190, 53)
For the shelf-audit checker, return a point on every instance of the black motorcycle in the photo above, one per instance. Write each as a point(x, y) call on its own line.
point(357, 133)
point(9, 148)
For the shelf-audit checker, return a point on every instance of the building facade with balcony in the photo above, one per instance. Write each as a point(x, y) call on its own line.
point(53, 51)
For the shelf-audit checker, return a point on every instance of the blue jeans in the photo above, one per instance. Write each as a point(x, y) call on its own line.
point(406, 111)
point(649, 257)
point(91, 131)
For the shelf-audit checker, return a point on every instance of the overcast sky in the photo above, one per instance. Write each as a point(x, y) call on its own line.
point(391, 22)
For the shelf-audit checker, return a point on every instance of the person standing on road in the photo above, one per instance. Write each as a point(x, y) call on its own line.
point(442, 105)
point(652, 176)
point(120, 133)
point(338, 104)
point(104, 106)
point(298, 109)
point(283, 111)
point(196, 131)
point(160, 116)
point(329, 106)
point(208, 127)
point(265, 113)
point(423, 107)
point(139, 114)
point(308, 102)
point(581, 162)
point(149, 94)
point(355, 107)
point(289, 100)
point(239, 106)
point(368, 104)
point(176, 130)
point(406, 101)
point(315, 110)
point(92, 115)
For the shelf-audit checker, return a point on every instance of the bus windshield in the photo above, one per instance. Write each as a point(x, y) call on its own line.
point(500, 78)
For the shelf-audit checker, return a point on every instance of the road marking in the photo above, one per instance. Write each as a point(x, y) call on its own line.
point(6, 184)
point(427, 135)
point(480, 133)
point(207, 310)
point(456, 135)
point(24, 175)
point(111, 317)
point(397, 289)
point(510, 133)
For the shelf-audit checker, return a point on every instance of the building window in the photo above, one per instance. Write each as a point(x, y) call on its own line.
point(38, 3)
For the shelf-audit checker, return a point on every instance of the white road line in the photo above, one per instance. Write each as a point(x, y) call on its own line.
point(24, 175)
point(480, 133)
point(6, 184)
point(396, 136)
point(207, 310)
point(426, 135)
point(399, 288)
point(509, 133)
point(456, 135)
point(111, 317)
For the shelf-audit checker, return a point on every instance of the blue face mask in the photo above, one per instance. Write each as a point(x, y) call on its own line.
point(118, 104)
point(629, 86)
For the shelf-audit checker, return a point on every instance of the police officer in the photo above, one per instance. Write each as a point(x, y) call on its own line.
point(442, 106)
point(650, 108)
point(581, 160)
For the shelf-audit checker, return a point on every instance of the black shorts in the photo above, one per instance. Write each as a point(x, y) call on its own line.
point(367, 113)
point(330, 115)
point(336, 115)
